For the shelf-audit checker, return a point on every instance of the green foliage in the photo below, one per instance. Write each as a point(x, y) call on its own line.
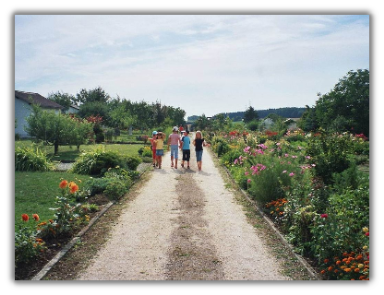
point(31, 159)
point(98, 162)
point(27, 245)
point(131, 162)
point(220, 146)
point(145, 152)
point(115, 189)
point(331, 153)
point(96, 185)
point(346, 107)
point(253, 125)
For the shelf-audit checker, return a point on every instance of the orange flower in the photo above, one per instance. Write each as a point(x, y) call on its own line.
point(25, 217)
point(338, 262)
point(330, 268)
point(326, 260)
point(63, 184)
point(357, 269)
point(36, 217)
point(323, 271)
point(347, 269)
point(73, 188)
point(42, 223)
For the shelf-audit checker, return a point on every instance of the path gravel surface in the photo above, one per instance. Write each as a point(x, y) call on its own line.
point(184, 225)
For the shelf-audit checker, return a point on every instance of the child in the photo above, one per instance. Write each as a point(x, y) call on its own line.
point(174, 142)
point(199, 142)
point(153, 147)
point(185, 143)
point(159, 147)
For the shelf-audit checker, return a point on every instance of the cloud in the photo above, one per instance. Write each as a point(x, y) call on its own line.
point(197, 61)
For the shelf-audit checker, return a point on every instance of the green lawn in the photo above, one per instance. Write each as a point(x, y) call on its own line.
point(35, 192)
point(69, 154)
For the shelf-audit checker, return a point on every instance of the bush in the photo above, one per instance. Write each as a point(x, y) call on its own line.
point(115, 189)
point(131, 162)
point(96, 185)
point(98, 162)
point(331, 153)
point(27, 245)
point(30, 159)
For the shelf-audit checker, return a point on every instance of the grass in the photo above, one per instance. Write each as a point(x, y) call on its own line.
point(70, 153)
point(35, 192)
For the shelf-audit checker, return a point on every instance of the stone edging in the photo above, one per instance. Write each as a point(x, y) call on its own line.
point(40, 275)
point(305, 264)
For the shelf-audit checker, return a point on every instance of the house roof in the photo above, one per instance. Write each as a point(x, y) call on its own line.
point(31, 97)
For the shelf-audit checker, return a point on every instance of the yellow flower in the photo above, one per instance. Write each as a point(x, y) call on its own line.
point(365, 229)
point(360, 265)
point(365, 247)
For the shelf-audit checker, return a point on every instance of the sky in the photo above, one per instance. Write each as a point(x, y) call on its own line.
point(204, 64)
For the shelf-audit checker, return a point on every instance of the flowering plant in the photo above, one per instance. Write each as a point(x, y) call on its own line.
point(27, 244)
point(68, 216)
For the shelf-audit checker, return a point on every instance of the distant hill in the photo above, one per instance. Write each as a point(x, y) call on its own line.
point(288, 112)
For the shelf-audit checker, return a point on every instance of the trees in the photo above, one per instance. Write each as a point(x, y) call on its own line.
point(56, 129)
point(346, 107)
point(63, 99)
point(250, 115)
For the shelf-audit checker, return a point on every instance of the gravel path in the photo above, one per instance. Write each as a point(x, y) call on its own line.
point(184, 225)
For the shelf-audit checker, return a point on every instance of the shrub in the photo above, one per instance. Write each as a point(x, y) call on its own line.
point(96, 185)
point(27, 245)
point(331, 153)
point(30, 159)
point(98, 162)
point(115, 189)
point(131, 162)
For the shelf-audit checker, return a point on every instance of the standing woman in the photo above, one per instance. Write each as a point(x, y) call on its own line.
point(199, 142)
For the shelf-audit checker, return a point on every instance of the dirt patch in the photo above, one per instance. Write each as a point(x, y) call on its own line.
point(192, 255)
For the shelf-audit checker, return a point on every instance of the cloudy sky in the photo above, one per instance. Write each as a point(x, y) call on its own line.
point(200, 63)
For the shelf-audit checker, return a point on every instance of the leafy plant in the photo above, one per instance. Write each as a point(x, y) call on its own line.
point(27, 245)
point(31, 159)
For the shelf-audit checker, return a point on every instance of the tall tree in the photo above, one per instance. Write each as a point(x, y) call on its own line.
point(63, 99)
point(250, 114)
point(346, 107)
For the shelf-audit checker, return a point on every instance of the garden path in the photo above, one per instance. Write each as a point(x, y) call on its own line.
point(184, 225)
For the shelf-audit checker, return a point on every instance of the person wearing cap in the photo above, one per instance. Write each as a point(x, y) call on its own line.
point(174, 143)
point(153, 148)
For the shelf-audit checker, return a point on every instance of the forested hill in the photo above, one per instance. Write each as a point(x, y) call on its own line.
point(288, 112)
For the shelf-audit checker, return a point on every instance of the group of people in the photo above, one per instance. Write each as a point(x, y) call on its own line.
point(175, 142)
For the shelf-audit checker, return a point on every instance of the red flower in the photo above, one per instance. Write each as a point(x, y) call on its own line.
point(63, 184)
point(367, 234)
point(25, 217)
point(36, 217)
point(324, 215)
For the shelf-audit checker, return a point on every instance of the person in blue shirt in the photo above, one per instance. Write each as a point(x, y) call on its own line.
point(185, 146)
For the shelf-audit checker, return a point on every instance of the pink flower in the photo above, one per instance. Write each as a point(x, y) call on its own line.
point(291, 174)
point(249, 181)
point(286, 155)
point(285, 171)
point(324, 215)
point(235, 162)
point(246, 173)
point(246, 150)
